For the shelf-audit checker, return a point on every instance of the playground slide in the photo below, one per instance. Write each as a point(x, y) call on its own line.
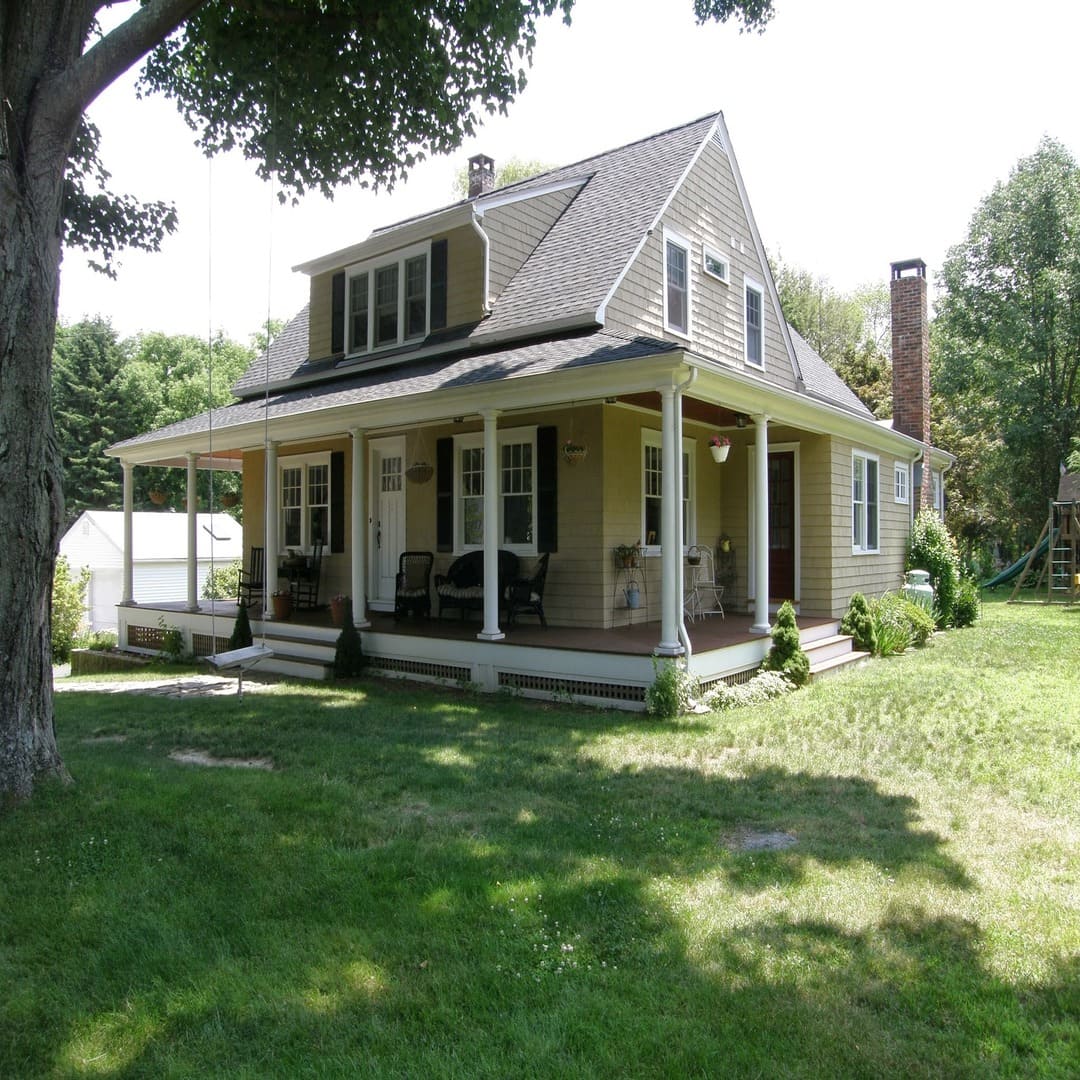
point(1017, 567)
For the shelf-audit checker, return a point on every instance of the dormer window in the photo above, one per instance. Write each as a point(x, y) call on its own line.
point(388, 300)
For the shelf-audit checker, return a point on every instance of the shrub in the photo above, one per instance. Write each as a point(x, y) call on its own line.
point(672, 691)
point(172, 642)
point(99, 640)
point(68, 607)
point(764, 686)
point(349, 653)
point(859, 624)
point(786, 654)
point(241, 635)
point(934, 550)
point(968, 603)
point(899, 623)
point(221, 582)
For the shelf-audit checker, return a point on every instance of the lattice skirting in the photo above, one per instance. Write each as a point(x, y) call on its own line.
point(548, 684)
point(422, 668)
point(146, 637)
point(206, 645)
point(738, 678)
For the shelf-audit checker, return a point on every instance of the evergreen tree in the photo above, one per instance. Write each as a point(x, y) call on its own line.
point(89, 414)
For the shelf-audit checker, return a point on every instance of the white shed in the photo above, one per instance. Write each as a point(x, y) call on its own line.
point(159, 556)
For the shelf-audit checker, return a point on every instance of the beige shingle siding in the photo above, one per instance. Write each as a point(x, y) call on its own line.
point(706, 211)
point(464, 276)
point(514, 231)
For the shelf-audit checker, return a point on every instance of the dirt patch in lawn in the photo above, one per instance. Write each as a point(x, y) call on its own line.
point(201, 757)
point(758, 840)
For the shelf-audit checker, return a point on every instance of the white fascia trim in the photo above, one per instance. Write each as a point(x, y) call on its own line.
point(507, 198)
point(763, 260)
point(601, 311)
point(402, 236)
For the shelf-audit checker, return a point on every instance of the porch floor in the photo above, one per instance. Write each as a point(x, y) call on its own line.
point(637, 639)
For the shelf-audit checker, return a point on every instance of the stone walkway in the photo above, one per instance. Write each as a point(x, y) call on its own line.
point(177, 686)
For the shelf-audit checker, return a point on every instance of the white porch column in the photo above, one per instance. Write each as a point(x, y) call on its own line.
point(761, 526)
point(491, 631)
point(270, 490)
point(127, 596)
point(671, 527)
point(358, 526)
point(192, 534)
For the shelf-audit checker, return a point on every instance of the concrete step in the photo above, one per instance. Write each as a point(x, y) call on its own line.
point(825, 648)
point(836, 663)
point(816, 633)
point(299, 653)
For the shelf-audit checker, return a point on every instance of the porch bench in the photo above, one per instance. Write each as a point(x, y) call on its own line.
point(462, 586)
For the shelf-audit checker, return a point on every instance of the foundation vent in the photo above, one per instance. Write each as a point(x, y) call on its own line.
point(546, 684)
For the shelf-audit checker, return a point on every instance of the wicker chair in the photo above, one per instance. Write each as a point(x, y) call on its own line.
point(412, 591)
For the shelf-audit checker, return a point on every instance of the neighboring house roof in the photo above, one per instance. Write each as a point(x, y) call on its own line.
point(160, 536)
point(822, 381)
point(423, 376)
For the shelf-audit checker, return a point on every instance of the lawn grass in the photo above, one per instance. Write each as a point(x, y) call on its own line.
point(434, 884)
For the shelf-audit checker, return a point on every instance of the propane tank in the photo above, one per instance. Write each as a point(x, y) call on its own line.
point(917, 587)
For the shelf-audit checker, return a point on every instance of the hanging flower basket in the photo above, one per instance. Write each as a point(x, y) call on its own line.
point(419, 472)
point(229, 499)
point(574, 452)
point(157, 497)
point(719, 447)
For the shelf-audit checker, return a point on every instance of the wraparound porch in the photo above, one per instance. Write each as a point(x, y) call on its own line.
point(610, 667)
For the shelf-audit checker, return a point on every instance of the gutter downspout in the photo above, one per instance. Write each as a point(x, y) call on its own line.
point(485, 245)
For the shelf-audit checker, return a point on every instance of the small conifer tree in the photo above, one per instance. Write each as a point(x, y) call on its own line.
point(349, 654)
point(241, 634)
point(786, 654)
point(859, 624)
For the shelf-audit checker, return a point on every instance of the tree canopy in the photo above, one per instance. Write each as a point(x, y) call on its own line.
point(317, 92)
point(1007, 339)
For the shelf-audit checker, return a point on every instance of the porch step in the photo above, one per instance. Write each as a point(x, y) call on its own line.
point(836, 663)
point(301, 653)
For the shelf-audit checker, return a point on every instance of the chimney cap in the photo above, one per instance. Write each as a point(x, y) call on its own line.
point(898, 268)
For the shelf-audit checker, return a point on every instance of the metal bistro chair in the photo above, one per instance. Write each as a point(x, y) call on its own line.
point(305, 586)
point(705, 593)
point(252, 583)
point(412, 589)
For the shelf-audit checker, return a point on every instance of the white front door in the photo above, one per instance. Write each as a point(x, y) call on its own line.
point(387, 520)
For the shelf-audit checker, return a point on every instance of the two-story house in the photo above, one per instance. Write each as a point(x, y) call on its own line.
point(424, 398)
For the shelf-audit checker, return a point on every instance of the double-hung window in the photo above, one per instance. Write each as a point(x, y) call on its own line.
point(388, 300)
point(755, 323)
point(305, 500)
point(676, 283)
point(864, 503)
point(652, 491)
point(517, 491)
point(901, 485)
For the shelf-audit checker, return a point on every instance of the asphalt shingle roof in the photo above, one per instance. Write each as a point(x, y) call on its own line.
point(822, 381)
point(420, 377)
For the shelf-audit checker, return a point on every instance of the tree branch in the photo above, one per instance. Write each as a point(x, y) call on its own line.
point(110, 57)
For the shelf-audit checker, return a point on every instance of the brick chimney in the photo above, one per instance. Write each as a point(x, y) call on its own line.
point(481, 175)
point(911, 356)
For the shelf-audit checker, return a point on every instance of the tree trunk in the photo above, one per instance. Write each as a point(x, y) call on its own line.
point(31, 500)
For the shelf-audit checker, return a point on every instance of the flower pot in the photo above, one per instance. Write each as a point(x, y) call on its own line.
point(719, 453)
point(157, 497)
point(282, 606)
point(229, 499)
point(337, 610)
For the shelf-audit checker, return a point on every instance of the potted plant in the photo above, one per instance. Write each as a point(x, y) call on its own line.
point(157, 496)
point(627, 554)
point(724, 542)
point(719, 447)
point(337, 609)
point(282, 601)
point(574, 452)
point(229, 499)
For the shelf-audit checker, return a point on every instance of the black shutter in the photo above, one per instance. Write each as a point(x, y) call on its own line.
point(337, 501)
point(444, 494)
point(438, 285)
point(337, 313)
point(547, 489)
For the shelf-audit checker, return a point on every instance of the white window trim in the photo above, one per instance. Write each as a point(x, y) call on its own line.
point(302, 461)
point(902, 482)
point(670, 236)
point(750, 283)
point(652, 437)
point(370, 267)
point(711, 253)
point(864, 456)
point(937, 491)
point(476, 439)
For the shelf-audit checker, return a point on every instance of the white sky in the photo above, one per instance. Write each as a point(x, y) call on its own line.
point(866, 132)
